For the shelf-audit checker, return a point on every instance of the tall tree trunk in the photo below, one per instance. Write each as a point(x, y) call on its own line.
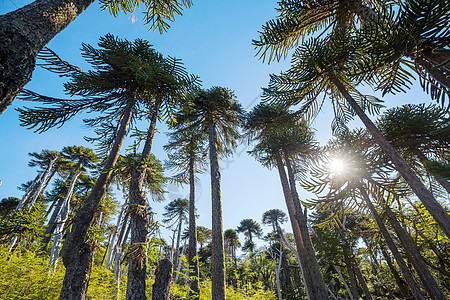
point(398, 279)
point(277, 272)
point(442, 181)
point(139, 219)
point(390, 242)
point(24, 32)
point(218, 257)
point(29, 191)
point(194, 274)
point(350, 292)
point(61, 221)
point(434, 208)
point(180, 262)
point(177, 246)
point(309, 258)
point(44, 184)
point(113, 244)
point(51, 225)
point(285, 276)
point(75, 252)
point(415, 258)
point(306, 274)
point(351, 273)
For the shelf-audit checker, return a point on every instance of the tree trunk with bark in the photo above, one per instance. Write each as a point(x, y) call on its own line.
point(309, 259)
point(351, 273)
point(24, 32)
point(398, 279)
point(75, 252)
point(139, 219)
point(163, 277)
point(434, 208)
point(442, 181)
point(390, 242)
point(194, 274)
point(415, 258)
point(218, 256)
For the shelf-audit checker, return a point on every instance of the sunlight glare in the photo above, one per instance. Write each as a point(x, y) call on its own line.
point(337, 165)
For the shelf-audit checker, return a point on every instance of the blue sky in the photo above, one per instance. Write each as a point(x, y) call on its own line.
point(213, 39)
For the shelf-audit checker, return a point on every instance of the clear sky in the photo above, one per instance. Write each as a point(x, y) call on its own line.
point(213, 39)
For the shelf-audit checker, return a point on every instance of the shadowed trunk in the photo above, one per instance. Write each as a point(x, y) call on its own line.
point(139, 219)
point(415, 258)
point(390, 242)
point(163, 278)
point(218, 257)
point(75, 252)
point(309, 260)
point(351, 273)
point(24, 32)
point(434, 208)
point(398, 279)
point(194, 292)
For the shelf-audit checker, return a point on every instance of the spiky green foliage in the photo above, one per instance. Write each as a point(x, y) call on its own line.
point(122, 70)
point(176, 209)
point(310, 80)
point(157, 13)
point(274, 217)
point(155, 181)
point(249, 227)
point(216, 105)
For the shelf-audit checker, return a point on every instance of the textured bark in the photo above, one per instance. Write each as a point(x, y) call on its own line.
point(29, 192)
point(434, 208)
point(45, 178)
point(24, 32)
point(306, 275)
point(75, 252)
point(437, 74)
point(351, 274)
point(180, 262)
point(177, 246)
point(139, 219)
point(285, 276)
point(163, 277)
point(316, 284)
point(62, 218)
point(350, 292)
point(390, 242)
point(360, 277)
point(194, 274)
point(398, 279)
point(415, 258)
point(218, 256)
point(113, 243)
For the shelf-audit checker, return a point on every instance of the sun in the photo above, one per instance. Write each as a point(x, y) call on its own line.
point(337, 165)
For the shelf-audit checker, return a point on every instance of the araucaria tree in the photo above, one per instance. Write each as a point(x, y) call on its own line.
point(217, 112)
point(121, 88)
point(284, 142)
point(186, 151)
point(27, 30)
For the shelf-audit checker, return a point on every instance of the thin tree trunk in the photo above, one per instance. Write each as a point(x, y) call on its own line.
point(29, 191)
point(434, 208)
point(24, 32)
point(350, 292)
point(390, 242)
point(61, 221)
point(139, 219)
point(180, 262)
point(415, 258)
point(76, 253)
point(360, 277)
point(112, 247)
point(218, 257)
point(288, 244)
point(398, 279)
point(43, 184)
point(194, 274)
point(177, 247)
point(294, 223)
point(436, 74)
point(277, 273)
point(310, 261)
point(351, 274)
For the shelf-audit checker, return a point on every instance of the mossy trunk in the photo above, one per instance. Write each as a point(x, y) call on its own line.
point(23, 33)
point(139, 218)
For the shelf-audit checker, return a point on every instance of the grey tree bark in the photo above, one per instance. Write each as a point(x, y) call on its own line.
point(139, 218)
point(24, 32)
point(194, 274)
point(390, 242)
point(163, 278)
point(75, 252)
point(309, 260)
point(218, 256)
point(431, 204)
point(431, 286)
